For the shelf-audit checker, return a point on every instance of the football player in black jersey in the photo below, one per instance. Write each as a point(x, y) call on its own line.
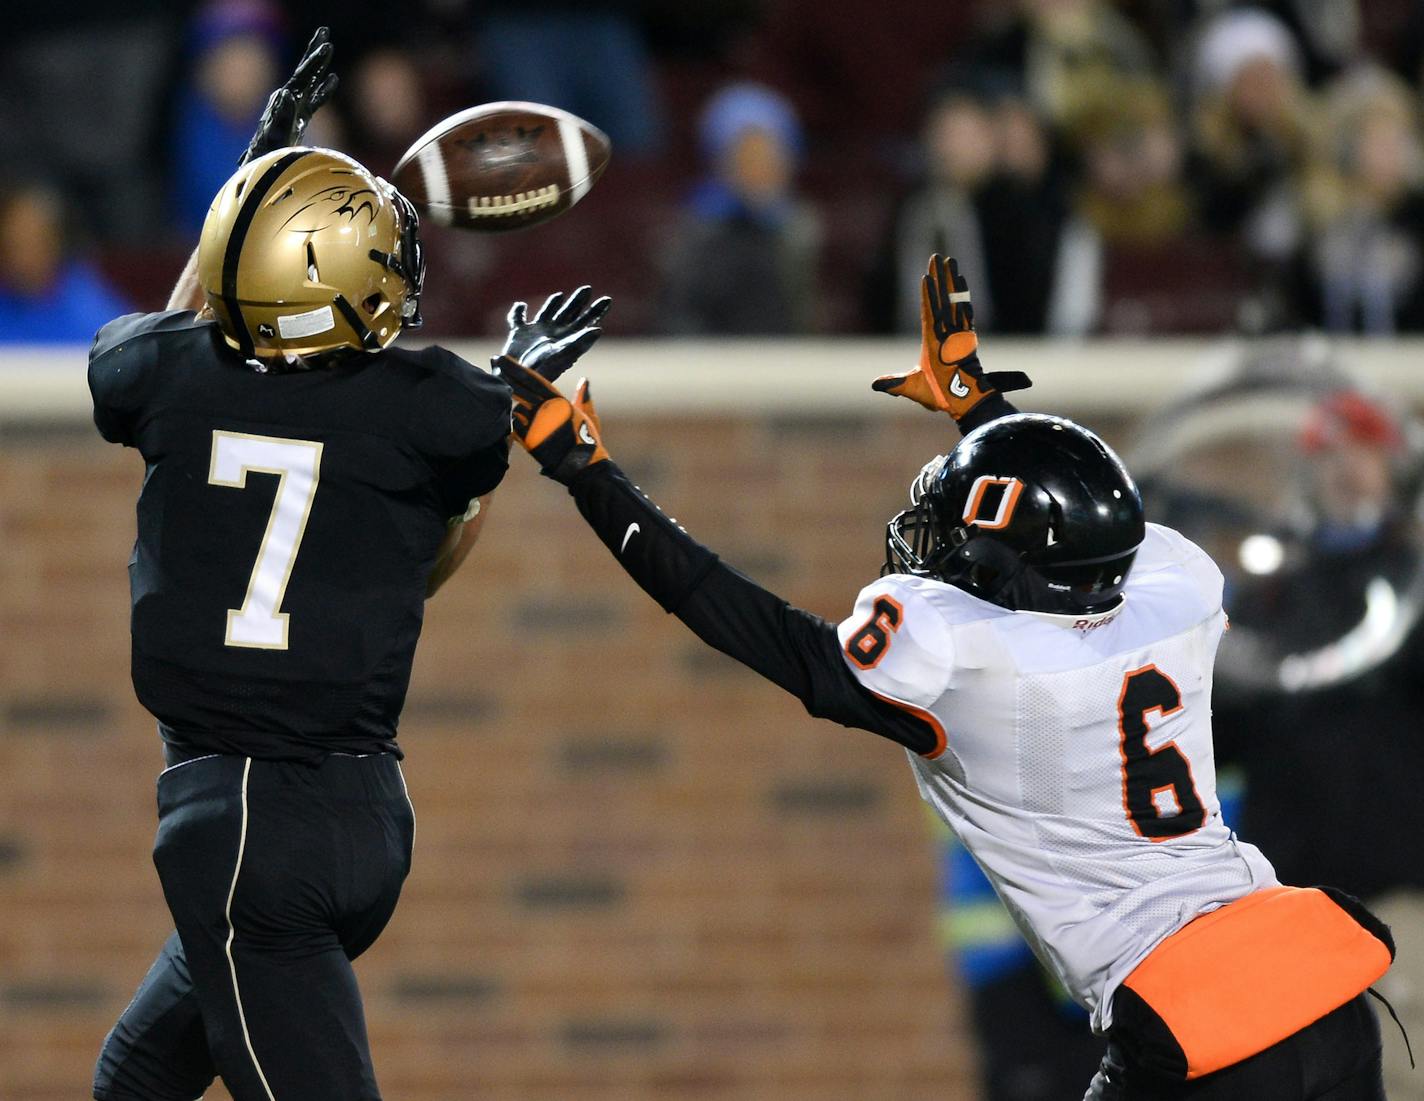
point(307, 486)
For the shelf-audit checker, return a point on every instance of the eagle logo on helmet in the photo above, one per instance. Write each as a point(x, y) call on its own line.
point(330, 203)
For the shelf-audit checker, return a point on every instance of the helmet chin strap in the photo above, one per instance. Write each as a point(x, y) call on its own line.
point(353, 318)
point(992, 570)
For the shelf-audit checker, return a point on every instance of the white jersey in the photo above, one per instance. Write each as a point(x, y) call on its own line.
point(1077, 765)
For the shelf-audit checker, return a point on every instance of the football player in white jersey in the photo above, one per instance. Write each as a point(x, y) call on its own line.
point(1045, 656)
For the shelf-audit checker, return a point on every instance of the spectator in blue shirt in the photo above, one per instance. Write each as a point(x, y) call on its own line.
point(235, 47)
point(743, 260)
point(47, 295)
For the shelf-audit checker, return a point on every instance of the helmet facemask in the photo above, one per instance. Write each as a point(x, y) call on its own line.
point(913, 539)
point(910, 543)
point(408, 261)
point(918, 542)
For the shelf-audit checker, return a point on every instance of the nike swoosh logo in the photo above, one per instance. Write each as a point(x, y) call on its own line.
point(586, 436)
point(628, 535)
point(957, 387)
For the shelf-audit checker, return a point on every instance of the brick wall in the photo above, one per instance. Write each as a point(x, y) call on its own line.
point(641, 871)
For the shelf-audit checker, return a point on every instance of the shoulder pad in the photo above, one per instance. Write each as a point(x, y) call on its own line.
point(443, 362)
point(121, 368)
point(897, 643)
point(1167, 553)
point(457, 407)
point(116, 333)
point(954, 605)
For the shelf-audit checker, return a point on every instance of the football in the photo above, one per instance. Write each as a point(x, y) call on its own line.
point(502, 166)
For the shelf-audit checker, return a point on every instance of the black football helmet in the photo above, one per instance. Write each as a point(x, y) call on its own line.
point(1029, 512)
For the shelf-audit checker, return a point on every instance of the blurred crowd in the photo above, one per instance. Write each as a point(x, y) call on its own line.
point(781, 166)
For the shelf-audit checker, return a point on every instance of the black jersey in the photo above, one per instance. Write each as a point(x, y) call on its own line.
point(287, 527)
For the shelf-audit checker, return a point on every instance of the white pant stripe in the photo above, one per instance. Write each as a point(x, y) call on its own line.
point(231, 933)
point(401, 772)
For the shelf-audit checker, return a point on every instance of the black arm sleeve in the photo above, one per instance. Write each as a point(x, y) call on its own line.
point(793, 649)
point(990, 409)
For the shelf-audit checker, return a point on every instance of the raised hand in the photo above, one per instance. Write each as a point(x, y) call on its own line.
point(556, 322)
point(292, 106)
point(949, 377)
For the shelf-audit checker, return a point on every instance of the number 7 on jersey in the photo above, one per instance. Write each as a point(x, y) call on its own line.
point(259, 624)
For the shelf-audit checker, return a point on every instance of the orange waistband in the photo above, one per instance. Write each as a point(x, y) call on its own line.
point(1235, 981)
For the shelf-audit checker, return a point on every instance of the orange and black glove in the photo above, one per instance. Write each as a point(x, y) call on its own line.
point(949, 376)
point(562, 435)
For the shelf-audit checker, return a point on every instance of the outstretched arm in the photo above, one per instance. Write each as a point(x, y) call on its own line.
point(283, 122)
point(187, 292)
point(794, 649)
point(949, 377)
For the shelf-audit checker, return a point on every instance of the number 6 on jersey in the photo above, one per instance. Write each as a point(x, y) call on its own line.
point(1148, 773)
point(297, 463)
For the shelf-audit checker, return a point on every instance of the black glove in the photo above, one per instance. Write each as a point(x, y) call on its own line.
point(291, 106)
point(555, 322)
point(563, 436)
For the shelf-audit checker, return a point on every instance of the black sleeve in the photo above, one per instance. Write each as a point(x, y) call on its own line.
point(474, 475)
point(990, 409)
point(121, 366)
point(793, 649)
point(462, 425)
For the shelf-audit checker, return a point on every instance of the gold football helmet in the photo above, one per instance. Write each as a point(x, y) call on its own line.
point(304, 251)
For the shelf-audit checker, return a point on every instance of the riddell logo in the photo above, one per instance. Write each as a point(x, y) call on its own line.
point(1094, 624)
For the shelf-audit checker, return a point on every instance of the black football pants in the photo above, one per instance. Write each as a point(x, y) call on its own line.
point(1030, 1047)
point(1335, 1059)
point(277, 874)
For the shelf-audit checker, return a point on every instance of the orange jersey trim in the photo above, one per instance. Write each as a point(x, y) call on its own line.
point(941, 741)
point(1235, 981)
